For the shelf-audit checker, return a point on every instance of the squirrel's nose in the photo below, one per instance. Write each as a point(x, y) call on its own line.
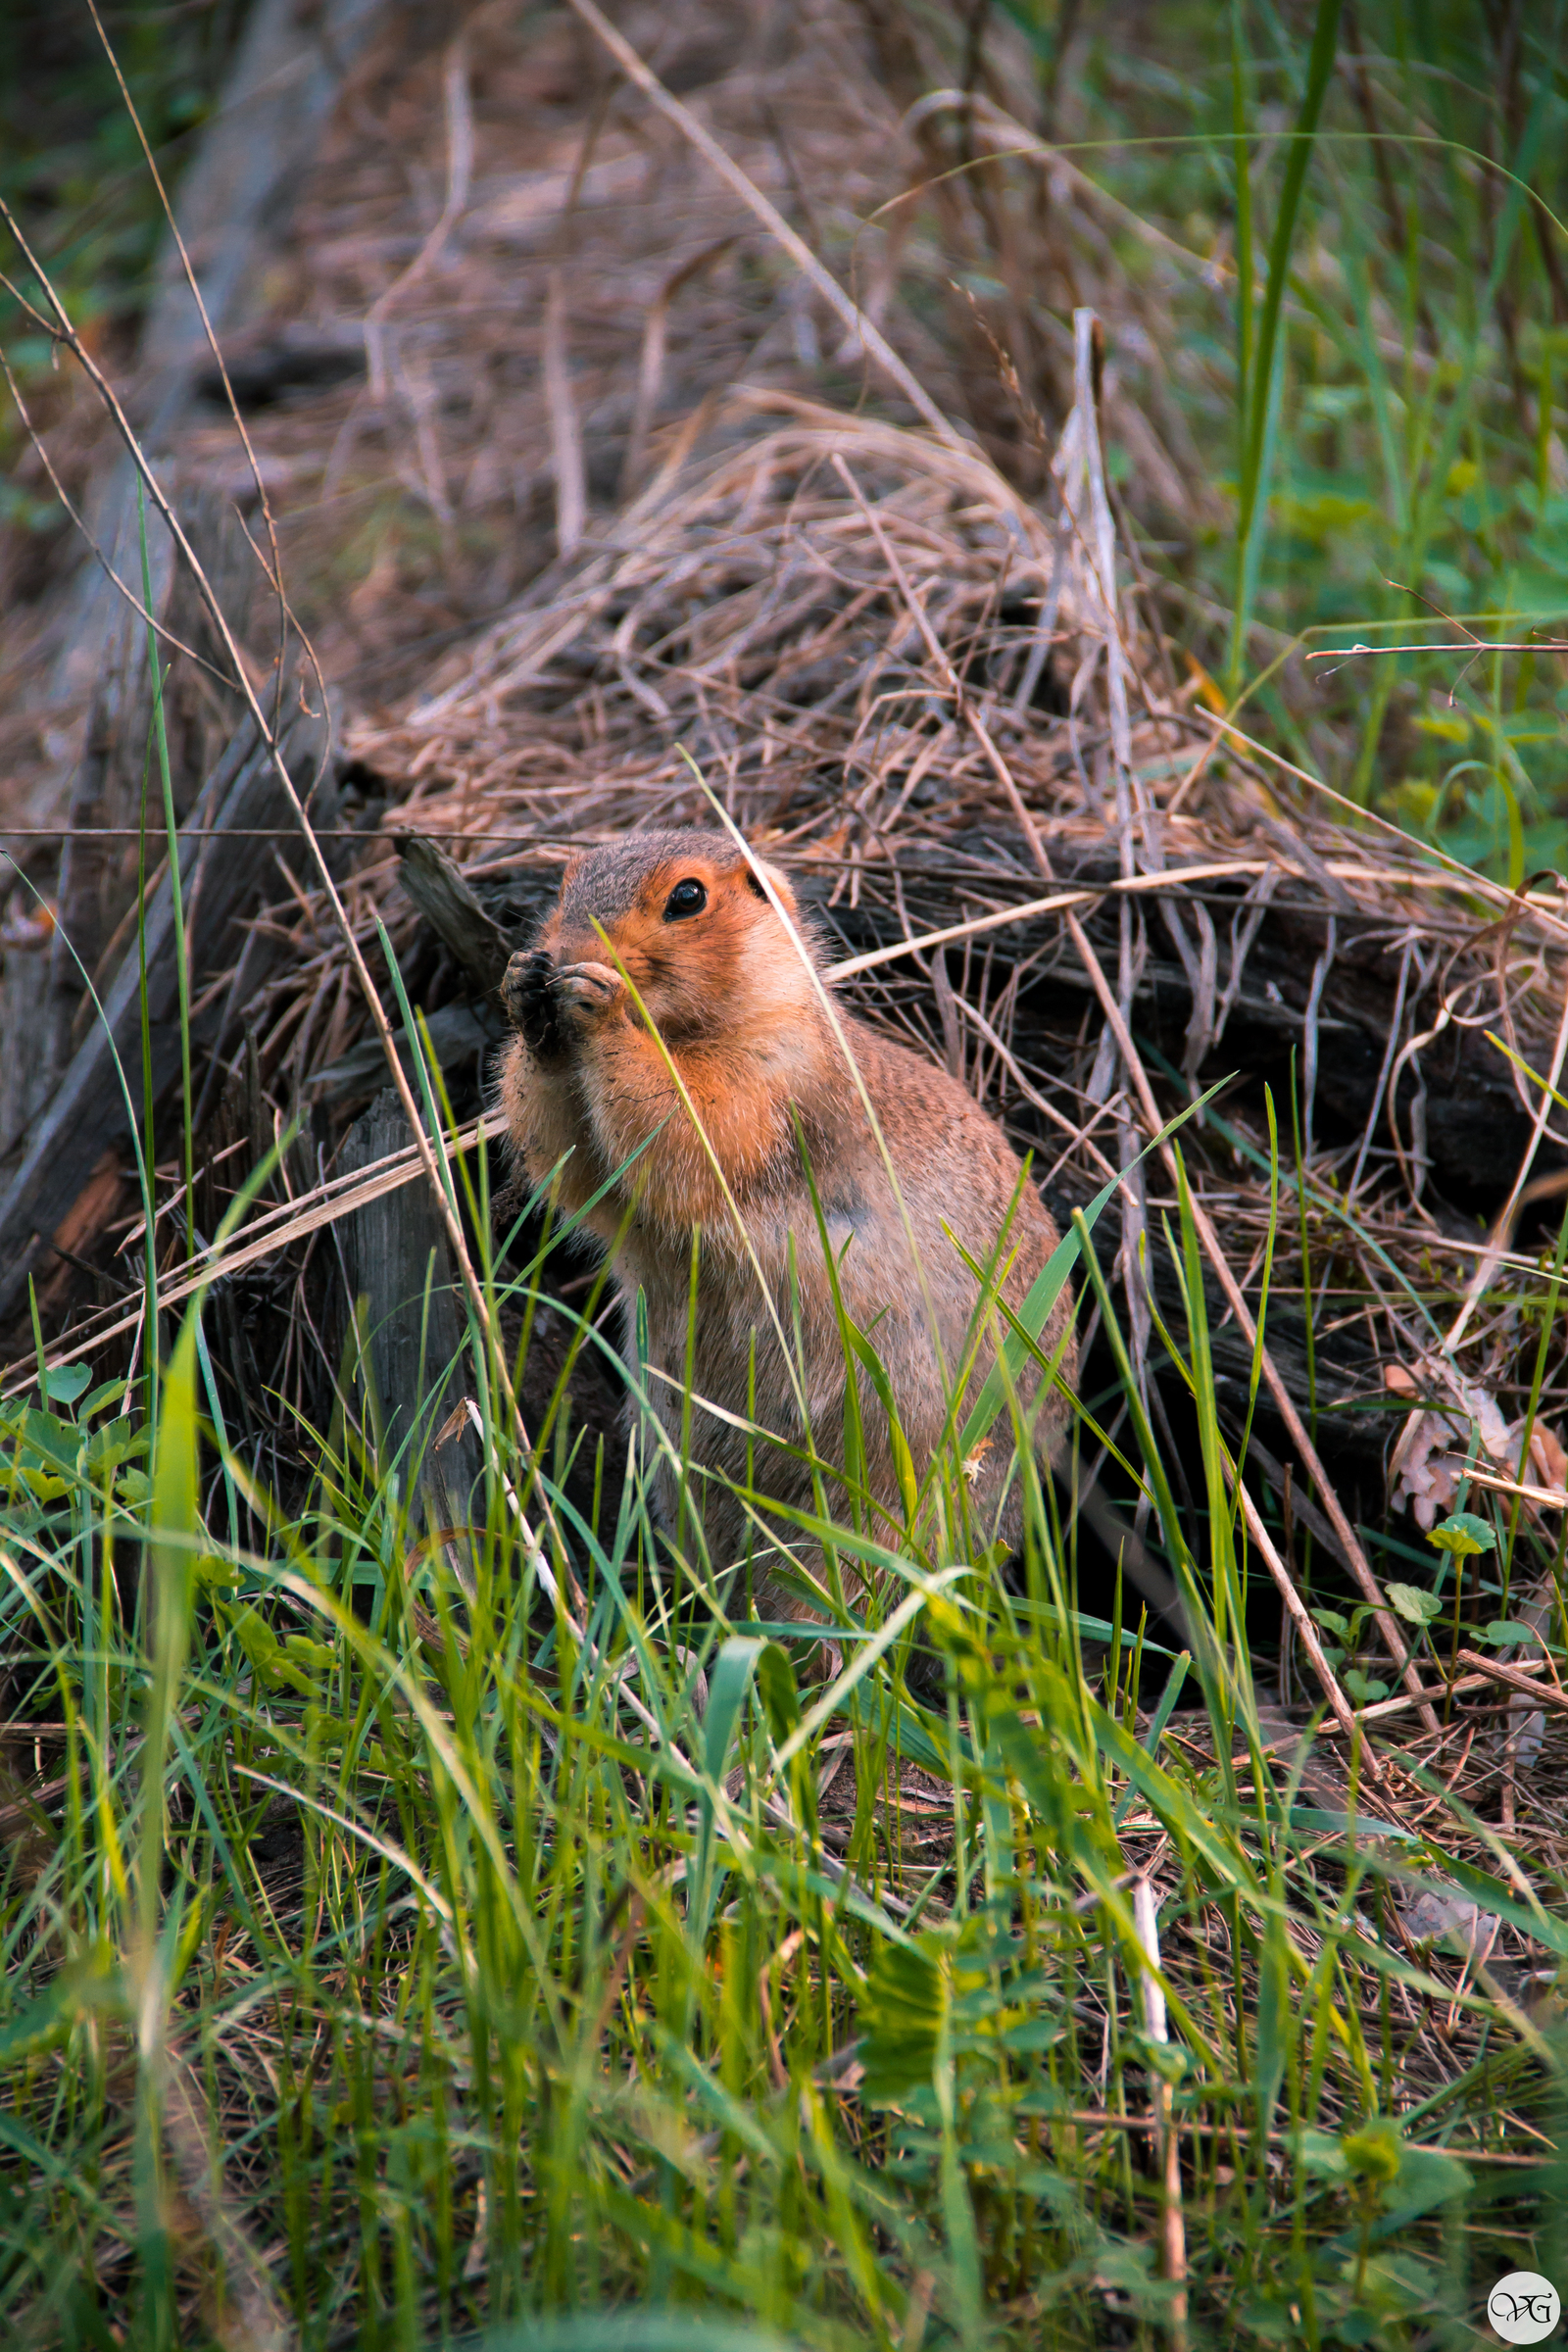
point(590, 985)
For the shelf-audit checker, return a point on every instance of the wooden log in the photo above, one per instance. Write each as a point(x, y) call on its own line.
point(289, 71)
point(447, 903)
point(24, 1061)
point(91, 1109)
point(463, 1038)
point(1475, 1128)
point(406, 1311)
point(119, 775)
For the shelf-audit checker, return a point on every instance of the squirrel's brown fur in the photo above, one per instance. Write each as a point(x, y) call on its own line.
point(685, 920)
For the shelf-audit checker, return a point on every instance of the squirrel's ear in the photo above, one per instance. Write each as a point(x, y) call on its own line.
point(573, 867)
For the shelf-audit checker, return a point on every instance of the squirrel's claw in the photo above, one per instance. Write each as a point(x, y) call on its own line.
point(544, 1000)
point(528, 996)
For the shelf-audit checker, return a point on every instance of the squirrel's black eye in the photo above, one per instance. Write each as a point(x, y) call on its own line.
point(687, 897)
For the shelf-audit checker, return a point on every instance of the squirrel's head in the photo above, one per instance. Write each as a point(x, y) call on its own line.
point(686, 917)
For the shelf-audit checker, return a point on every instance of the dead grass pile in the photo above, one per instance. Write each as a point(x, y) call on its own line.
point(885, 666)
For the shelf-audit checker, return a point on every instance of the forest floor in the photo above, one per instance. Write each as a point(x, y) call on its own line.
point(943, 446)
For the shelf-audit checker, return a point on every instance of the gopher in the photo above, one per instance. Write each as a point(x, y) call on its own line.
point(674, 1055)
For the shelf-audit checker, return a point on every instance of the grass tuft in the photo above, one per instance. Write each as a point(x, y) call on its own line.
point(401, 1952)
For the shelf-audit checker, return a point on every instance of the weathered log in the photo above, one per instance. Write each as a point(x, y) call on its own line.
point(1471, 1126)
point(24, 1006)
point(99, 1095)
point(118, 780)
point(448, 904)
point(463, 1037)
point(407, 1315)
point(288, 74)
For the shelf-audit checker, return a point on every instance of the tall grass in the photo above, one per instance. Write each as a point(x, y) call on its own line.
point(421, 1938)
point(1333, 270)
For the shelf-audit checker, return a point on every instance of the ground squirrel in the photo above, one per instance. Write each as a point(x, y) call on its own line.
point(687, 920)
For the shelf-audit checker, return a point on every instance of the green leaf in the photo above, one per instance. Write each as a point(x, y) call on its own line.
point(732, 1672)
point(115, 1442)
point(901, 2015)
point(1427, 2177)
point(1464, 1534)
point(1317, 1818)
point(1504, 1632)
point(55, 1441)
point(899, 1445)
point(1373, 2153)
point(776, 1681)
point(65, 1383)
point(1415, 1605)
point(1320, 2152)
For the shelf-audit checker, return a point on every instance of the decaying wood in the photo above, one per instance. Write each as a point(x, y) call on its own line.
point(437, 888)
point(288, 73)
point(99, 1098)
point(463, 1039)
point(118, 782)
point(1474, 1123)
point(1514, 1677)
point(408, 1324)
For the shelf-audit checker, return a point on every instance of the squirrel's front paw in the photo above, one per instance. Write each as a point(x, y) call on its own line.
point(533, 1006)
point(551, 1005)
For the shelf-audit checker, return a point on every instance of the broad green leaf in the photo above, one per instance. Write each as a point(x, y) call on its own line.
point(1464, 1534)
point(65, 1383)
point(1415, 1605)
point(1506, 1633)
point(901, 2018)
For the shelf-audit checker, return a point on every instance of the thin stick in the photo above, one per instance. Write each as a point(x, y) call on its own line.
point(292, 1223)
point(1381, 1708)
point(1551, 1499)
point(1514, 1677)
point(1301, 1618)
point(1457, 874)
point(1173, 2228)
point(1005, 915)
